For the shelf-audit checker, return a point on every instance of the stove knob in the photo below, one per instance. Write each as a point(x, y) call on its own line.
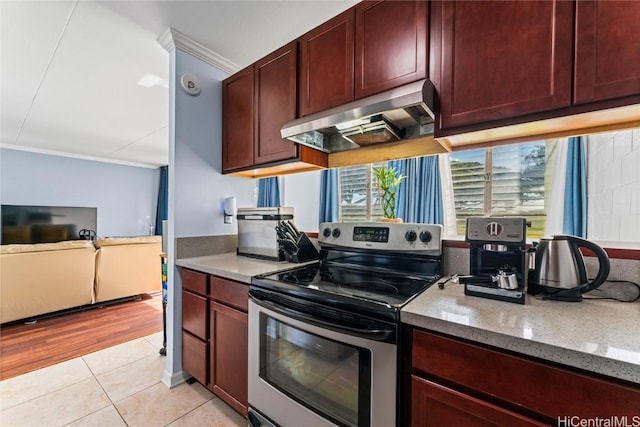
point(425, 237)
point(336, 232)
point(410, 236)
point(326, 232)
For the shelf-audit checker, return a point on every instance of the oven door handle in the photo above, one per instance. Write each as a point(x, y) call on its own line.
point(378, 334)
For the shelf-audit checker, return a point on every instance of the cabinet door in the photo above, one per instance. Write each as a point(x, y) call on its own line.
point(435, 405)
point(194, 357)
point(501, 59)
point(238, 120)
point(194, 315)
point(194, 281)
point(390, 45)
point(326, 65)
point(275, 104)
point(230, 293)
point(521, 382)
point(607, 50)
point(228, 356)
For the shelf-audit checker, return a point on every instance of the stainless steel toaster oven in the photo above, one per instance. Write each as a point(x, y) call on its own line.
point(257, 231)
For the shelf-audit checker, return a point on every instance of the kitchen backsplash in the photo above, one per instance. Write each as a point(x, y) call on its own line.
point(456, 261)
point(188, 247)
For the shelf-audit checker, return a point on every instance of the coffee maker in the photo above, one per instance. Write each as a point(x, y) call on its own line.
point(498, 261)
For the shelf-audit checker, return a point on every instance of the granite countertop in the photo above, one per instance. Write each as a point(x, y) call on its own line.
point(232, 266)
point(594, 335)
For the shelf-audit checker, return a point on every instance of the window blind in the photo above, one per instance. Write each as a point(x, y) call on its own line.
point(359, 199)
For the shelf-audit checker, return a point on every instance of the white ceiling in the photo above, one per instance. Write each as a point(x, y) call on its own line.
point(69, 69)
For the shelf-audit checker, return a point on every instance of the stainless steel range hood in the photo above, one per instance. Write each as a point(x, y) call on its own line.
point(399, 114)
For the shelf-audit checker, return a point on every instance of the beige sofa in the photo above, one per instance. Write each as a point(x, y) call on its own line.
point(47, 277)
point(127, 266)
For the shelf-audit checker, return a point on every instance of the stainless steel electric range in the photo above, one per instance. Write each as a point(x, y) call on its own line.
point(324, 339)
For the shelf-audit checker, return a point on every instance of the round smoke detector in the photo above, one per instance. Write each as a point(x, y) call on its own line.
point(190, 84)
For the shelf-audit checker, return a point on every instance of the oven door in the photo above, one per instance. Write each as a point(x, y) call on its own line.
point(322, 369)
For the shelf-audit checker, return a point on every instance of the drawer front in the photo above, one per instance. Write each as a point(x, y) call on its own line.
point(195, 315)
point(194, 281)
point(228, 292)
point(546, 389)
point(435, 405)
point(194, 357)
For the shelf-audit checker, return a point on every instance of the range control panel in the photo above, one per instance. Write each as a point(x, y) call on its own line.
point(423, 238)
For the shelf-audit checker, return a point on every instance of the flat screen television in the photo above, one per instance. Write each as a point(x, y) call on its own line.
point(45, 224)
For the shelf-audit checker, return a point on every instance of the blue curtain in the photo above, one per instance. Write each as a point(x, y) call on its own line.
point(329, 202)
point(419, 197)
point(162, 208)
point(575, 190)
point(268, 192)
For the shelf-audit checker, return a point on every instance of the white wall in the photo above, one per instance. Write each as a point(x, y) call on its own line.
point(197, 188)
point(614, 186)
point(302, 191)
point(200, 188)
point(124, 195)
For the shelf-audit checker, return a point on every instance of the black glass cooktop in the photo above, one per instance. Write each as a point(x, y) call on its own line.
point(364, 282)
point(390, 288)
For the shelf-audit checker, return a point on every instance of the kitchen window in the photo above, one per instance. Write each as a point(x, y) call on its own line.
point(509, 180)
point(359, 199)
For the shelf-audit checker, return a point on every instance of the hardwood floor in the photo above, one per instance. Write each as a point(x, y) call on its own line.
point(25, 348)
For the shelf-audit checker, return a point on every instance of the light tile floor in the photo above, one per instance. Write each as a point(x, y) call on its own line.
point(118, 386)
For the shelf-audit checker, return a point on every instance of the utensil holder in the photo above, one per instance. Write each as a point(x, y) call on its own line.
point(306, 251)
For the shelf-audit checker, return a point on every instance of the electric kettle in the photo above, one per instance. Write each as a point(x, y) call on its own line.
point(560, 273)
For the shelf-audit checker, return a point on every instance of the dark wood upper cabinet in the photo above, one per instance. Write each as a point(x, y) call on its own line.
point(326, 65)
point(238, 120)
point(256, 103)
point(607, 55)
point(275, 98)
point(390, 45)
point(501, 59)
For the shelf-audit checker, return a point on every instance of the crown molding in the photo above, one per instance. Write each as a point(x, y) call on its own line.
point(77, 156)
point(173, 38)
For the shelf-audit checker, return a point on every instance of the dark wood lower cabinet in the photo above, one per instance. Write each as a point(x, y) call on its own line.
point(436, 405)
point(194, 314)
point(228, 355)
point(214, 336)
point(194, 356)
point(455, 382)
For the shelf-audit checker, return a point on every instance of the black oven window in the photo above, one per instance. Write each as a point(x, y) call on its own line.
point(331, 378)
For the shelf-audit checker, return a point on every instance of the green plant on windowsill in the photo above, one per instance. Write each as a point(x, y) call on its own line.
point(388, 180)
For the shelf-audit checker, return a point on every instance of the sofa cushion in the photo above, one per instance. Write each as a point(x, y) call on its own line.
point(112, 241)
point(127, 267)
point(42, 247)
point(35, 282)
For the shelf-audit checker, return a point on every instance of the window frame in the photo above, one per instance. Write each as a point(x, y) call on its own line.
point(489, 204)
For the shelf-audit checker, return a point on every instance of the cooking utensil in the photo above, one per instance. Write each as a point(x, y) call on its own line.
point(560, 273)
point(284, 233)
point(287, 226)
point(281, 234)
point(288, 246)
point(294, 228)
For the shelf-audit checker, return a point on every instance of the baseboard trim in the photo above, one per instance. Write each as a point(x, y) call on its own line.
point(172, 380)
